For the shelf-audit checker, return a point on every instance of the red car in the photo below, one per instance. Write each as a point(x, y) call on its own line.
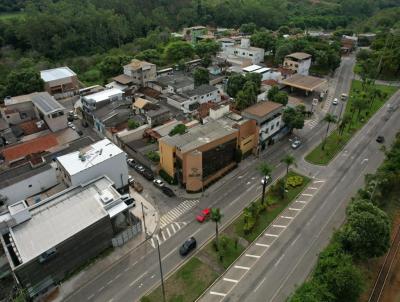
point(204, 215)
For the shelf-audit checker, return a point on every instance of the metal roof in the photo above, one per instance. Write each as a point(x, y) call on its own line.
point(46, 103)
point(56, 74)
point(103, 95)
point(251, 68)
point(60, 217)
point(201, 90)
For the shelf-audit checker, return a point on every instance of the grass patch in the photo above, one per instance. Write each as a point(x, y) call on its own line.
point(229, 250)
point(266, 217)
point(186, 284)
point(335, 142)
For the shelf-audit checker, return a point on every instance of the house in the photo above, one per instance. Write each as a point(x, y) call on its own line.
point(111, 116)
point(268, 116)
point(176, 83)
point(60, 82)
point(245, 51)
point(299, 62)
point(49, 110)
point(265, 72)
point(19, 109)
point(140, 72)
point(48, 240)
point(124, 83)
point(225, 43)
point(157, 116)
point(100, 158)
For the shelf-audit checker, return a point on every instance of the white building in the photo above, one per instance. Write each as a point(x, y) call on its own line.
point(266, 72)
point(299, 62)
point(245, 51)
point(92, 102)
point(100, 158)
point(225, 43)
point(49, 110)
point(60, 82)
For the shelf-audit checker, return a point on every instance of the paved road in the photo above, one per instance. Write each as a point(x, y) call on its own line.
point(287, 261)
point(133, 275)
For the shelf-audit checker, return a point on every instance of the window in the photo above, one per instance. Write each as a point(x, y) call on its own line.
point(272, 127)
point(46, 256)
point(277, 124)
point(244, 53)
point(30, 186)
point(250, 54)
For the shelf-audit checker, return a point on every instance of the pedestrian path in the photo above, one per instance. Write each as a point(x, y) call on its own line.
point(176, 212)
point(312, 123)
point(327, 104)
point(166, 232)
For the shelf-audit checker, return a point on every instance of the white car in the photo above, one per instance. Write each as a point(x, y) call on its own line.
point(70, 124)
point(335, 101)
point(296, 144)
point(265, 179)
point(158, 183)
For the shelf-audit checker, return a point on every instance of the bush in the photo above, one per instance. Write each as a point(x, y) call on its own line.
point(178, 129)
point(153, 156)
point(132, 124)
point(294, 181)
point(171, 180)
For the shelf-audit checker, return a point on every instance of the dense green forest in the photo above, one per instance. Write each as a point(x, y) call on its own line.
point(94, 37)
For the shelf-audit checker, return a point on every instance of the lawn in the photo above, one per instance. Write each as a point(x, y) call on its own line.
point(335, 142)
point(229, 250)
point(186, 284)
point(275, 208)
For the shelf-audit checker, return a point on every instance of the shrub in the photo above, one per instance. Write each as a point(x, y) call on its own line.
point(153, 156)
point(294, 181)
point(132, 124)
point(178, 129)
point(171, 180)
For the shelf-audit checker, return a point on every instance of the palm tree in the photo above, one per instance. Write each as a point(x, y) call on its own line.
point(216, 216)
point(288, 160)
point(265, 170)
point(329, 118)
point(360, 104)
point(344, 122)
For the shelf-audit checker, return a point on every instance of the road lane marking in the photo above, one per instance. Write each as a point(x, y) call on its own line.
point(294, 209)
point(217, 294)
point(301, 201)
point(169, 233)
point(242, 267)
point(173, 228)
point(318, 181)
point(279, 226)
point(259, 284)
point(287, 217)
point(279, 260)
point(90, 297)
point(117, 276)
point(313, 188)
point(109, 282)
point(231, 280)
point(163, 236)
point(137, 279)
point(252, 256)
point(101, 288)
point(271, 235)
point(294, 241)
point(127, 269)
point(305, 194)
point(262, 244)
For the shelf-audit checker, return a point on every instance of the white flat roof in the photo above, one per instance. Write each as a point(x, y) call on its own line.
point(92, 155)
point(56, 74)
point(59, 217)
point(103, 95)
point(262, 70)
point(252, 68)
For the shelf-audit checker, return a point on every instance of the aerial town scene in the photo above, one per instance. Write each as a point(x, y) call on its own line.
point(200, 150)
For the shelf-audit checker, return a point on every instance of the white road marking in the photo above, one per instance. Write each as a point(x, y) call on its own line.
point(259, 284)
point(169, 233)
point(279, 226)
point(294, 209)
point(252, 256)
point(101, 288)
point(242, 267)
point(217, 294)
point(301, 201)
point(262, 244)
point(305, 194)
point(173, 228)
point(178, 225)
point(294, 241)
point(127, 269)
point(152, 276)
point(287, 217)
point(90, 297)
point(312, 188)
point(109, 282)
point(111, 300)
point(318, 181)
point(117, 276)
point(279, 260)
point(176, 212)
point(271, 235)
point(163, 236)
point(137, 279)
point(231, 280)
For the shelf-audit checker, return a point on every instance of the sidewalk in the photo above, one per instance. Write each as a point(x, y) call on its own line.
point(101, 264)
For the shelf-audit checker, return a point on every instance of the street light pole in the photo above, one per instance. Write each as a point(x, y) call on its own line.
point(144, 221)
point(263, 189)
point(161, 272)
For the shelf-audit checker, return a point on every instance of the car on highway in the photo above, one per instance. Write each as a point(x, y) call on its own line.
point(167, 191)
point(335, 101)
point(188, 246)
point(344, 96)
point(204, 215)
point(380, 139)
point(266, 179)
point(296, 143)
point(158, 183)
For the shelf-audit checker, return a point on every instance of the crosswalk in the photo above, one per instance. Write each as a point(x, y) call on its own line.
point(312, 123)
point(176, 212)
point(167, 232)
point(327, 104)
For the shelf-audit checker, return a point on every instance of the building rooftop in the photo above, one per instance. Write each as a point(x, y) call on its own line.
point(18, 99)
point(123, 79)
point(60, 217)
point(262, 70)
point(262, 109)
point(177, 97)
point(165, 129)
point(140, 103)
point(103, 95)
point(157, 112)
point(199, 135)
point(201, 90)
point(46, 103)
point(137, 64)
point(177, 80)
point(299, 55)
point(56, 74)
point(308, 83)
point(89, 156)
point(251, 68)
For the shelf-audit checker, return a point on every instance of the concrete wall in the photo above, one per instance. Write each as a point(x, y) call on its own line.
point(255, 55)
point(270, 128)
point(56, 123)
point(132, 135)
point(301, 67)
point(31, 186)
point(167, 157)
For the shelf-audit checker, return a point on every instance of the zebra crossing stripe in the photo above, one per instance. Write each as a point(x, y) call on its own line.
point(169, 233)
point(178, 225)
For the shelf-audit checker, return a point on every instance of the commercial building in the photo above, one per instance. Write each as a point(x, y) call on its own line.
point(92, 102)
point(299, 62)
point(245, 51)
point(60, 81)
point(268, 116)
point(140, 72)
point(100, 158)
point(305, 83)
point(46, 241)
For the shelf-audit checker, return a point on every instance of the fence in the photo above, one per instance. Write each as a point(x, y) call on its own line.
point(127, 235)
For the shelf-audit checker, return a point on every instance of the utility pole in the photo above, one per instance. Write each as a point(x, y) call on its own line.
point(161, 272)
point(263, 189)
point(144, 221)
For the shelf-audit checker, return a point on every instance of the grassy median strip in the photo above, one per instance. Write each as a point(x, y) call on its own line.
point(196, 275)
point(357, 116)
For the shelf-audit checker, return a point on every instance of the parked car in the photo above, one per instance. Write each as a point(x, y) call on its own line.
point(70, 124)
point(131, 162)
point(139, 168)
point(188, 246)
point(167, 191)
point(80, 132)
point(158, 183)
point(296, 143)
point(335, 101)
point(265, 179)
point(137, 186)
point(148, 174)
point(204, 215)
point(130, 180)
point(380, 139)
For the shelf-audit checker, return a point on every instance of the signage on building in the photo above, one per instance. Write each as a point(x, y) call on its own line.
point(194, 172)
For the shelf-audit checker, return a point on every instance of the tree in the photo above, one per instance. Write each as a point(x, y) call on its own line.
point(344, 122)
point(272, 92)
point(235, 84)
point(248, 28)
point(207, 48)
point(254, 78)
point(311, 291)
point(23, 81)
point(216, 216)
point(201, 76)
point(178, 129)
point(281, 97)
point(241, 101)
point(265, 170)
point(112, 65)
point(179, 50)
point(288, 160)
point(359, 104)
point(293, 118)
point(329, 119)
point(367, 231)
point(132, 124)
point(263, 39)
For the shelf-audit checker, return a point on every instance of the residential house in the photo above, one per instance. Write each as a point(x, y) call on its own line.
point(157, 116)
point(245, 51)
point(176, 83)
point(18, 109)
point(60, 82)
point(49, 110)
point(140, 72)
point(225, 43)
point(299, 62)
point(265, 72)
point(111, 116)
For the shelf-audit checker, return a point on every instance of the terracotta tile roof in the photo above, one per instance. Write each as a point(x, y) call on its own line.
point(285, 71)
point(149, 92)
point(30, 127)
point(36, 145)
point(123, 79)
point(262, 108)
